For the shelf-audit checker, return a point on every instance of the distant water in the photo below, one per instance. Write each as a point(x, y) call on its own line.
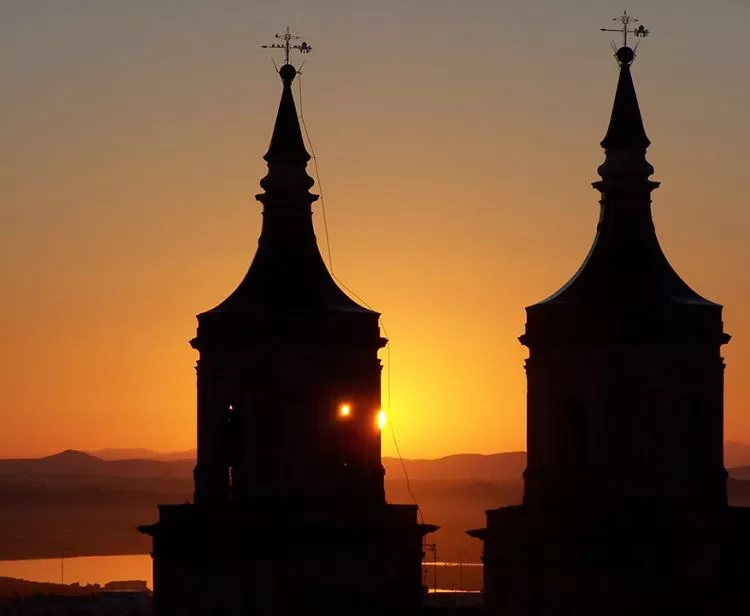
point(82, 569)
point(103, 569)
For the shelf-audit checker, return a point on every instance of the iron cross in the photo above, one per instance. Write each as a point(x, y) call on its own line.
point(287, 45)
point(625, 19)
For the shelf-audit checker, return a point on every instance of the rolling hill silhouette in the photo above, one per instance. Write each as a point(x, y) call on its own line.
point(496, 468)
point(77, 463)
point(499, 467)
point(142, 454)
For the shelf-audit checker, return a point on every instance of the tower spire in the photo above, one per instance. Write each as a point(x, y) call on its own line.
point(626, 131)
point(625, 266)
point(288, 273)
point(625, 143)
point(287, 146)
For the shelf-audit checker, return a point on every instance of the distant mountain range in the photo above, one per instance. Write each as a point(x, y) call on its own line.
point(143, 463)
point(93, 505)
point(500, 467)
point(735, 454)
point(142, 454)
point(78, 463)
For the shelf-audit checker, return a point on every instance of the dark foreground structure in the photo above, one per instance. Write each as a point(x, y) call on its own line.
point(290, 514)
point(625, 504)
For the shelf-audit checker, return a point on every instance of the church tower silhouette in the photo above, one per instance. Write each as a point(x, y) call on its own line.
point(289, 514)
point(625, 502)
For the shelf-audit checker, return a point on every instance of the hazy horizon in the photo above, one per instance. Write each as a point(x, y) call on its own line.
point(731, 448)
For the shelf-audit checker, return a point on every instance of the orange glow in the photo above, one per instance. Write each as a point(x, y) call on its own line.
point(382, 420)
point(455, 197)
point(345, 410)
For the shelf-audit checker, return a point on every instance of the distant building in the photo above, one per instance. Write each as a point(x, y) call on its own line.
point(290, 511)
point(625, 503)
point(455, 600)
point(103, 603)
point(126, 585)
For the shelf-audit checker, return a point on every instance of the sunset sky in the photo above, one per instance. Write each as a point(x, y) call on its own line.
point(456, 143)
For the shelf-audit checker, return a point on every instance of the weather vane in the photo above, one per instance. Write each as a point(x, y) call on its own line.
point(288, 45)
point(639, 33)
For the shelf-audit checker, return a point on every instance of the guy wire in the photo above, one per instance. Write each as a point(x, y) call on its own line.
point(390, 424)
point(317, 174)
point(358, 298)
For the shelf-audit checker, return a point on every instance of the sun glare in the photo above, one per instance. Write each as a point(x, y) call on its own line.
point(381, 420)
point(345, 410)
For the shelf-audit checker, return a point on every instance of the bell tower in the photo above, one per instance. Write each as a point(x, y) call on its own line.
point(289, 513)
point(625, 501)
point(288, 375)
point(625, 374)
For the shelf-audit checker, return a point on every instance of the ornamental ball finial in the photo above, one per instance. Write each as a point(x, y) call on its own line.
point(287, 72)
point(625, 55)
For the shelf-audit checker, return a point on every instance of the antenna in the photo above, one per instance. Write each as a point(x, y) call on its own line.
point(639, 33)
point(62, 563)
point(288, 44)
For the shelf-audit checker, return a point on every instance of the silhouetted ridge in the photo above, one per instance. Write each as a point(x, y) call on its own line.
point(72, 455)
point(71, 462)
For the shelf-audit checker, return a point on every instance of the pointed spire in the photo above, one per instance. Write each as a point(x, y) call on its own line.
point(287, 275)
point(626, 265)
point(287, 185)
point(287, 146)
point(626, 131)
point(625, 168)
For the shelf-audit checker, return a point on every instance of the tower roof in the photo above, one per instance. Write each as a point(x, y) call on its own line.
point(626, 265)
point(287, 278)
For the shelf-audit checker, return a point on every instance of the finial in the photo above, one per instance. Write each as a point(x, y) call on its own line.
point(288, 46)
point(625, 55)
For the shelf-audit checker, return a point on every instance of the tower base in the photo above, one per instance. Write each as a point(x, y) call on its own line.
point(239, 560)
point(555, 563)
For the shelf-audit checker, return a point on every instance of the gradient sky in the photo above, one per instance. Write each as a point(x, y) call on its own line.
point(456, 143)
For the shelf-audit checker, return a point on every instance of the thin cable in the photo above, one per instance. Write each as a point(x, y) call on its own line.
point(393, 432)
point(323, 204)
point(317, 174)
point(358, 298)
